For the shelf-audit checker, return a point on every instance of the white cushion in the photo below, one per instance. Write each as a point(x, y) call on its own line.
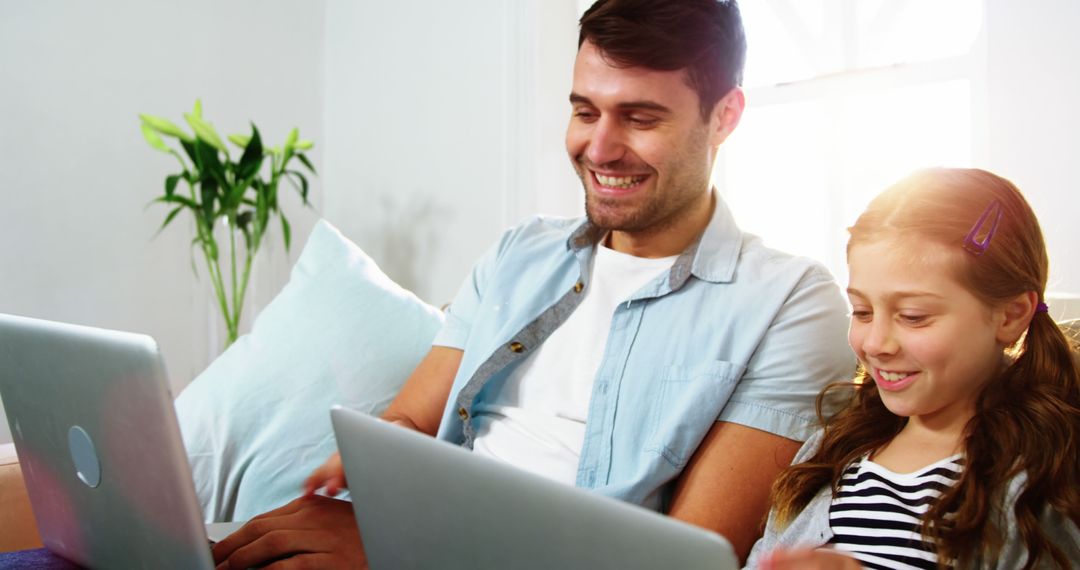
point(257, 421)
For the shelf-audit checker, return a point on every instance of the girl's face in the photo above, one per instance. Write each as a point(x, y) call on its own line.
point(928, 343)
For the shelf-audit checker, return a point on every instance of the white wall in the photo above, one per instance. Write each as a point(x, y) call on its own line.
point(440, 129)
point(437, 127)
point(75, 173)
point(1034, 108)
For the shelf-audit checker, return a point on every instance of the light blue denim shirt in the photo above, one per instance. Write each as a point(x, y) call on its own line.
point(734, 332)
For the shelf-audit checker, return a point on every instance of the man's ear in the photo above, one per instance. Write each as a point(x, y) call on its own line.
point(725, 115)
point(1016, 316)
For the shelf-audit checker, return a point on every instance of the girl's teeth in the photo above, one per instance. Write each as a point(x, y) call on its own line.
point(893, 376)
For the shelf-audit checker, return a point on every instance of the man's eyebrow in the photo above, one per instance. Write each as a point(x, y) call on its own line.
point(644, 105)
point(579, 99)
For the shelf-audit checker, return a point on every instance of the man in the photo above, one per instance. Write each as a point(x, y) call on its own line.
point(653, 352)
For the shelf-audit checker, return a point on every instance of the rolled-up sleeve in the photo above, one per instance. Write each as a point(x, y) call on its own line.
point(803, 350)
point(462, 310)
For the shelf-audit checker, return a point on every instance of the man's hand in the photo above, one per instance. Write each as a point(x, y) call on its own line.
point(808, 559)
point(329, 475)
point(310, 532)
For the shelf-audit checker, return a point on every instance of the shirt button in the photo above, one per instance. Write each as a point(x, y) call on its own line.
point(463, 413)
point(517, 347)
point(578, 287)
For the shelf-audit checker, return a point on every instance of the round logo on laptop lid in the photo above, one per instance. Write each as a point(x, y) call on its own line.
point(83, 454)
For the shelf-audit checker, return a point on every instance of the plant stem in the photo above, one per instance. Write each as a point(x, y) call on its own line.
point(219, 290)
point(236, 299)
point(248, 260)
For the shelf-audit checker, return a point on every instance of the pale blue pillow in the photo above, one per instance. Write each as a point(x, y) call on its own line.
point(257, 421)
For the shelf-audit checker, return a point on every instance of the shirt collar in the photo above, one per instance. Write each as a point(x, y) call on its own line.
point(711, 257)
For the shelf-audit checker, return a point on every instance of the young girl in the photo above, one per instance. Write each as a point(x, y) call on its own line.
point(961, 444)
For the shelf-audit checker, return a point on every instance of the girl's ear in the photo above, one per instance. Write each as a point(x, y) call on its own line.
point(1016, 316)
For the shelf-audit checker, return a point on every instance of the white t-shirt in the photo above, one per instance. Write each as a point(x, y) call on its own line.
point(537, 420)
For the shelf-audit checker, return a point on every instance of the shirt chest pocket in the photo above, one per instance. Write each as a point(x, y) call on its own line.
point(687, 403)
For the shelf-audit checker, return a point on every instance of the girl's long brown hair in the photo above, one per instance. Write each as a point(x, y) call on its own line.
point(1027, 420)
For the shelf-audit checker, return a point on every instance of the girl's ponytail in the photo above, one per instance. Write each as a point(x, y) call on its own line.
point(1029, 414)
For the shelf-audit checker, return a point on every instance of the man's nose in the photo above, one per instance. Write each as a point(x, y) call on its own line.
point(607, 141)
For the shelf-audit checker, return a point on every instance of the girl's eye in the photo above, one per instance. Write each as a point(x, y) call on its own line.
point(862, 315)
point(913, 319)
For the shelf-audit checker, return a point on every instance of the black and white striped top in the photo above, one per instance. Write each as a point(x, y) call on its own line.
point(877, 514)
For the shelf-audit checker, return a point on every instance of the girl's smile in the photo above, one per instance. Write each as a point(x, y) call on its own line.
point(893, 381)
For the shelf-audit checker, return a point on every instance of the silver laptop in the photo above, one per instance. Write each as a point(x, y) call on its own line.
point(99, 446)
point(424, 503)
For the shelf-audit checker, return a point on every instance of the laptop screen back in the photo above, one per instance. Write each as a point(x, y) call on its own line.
point(423, 503)
point(97, 437)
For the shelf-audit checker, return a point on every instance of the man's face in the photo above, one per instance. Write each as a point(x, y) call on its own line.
point(639, 144)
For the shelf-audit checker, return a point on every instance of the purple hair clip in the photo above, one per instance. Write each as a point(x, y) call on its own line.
point(971, 243)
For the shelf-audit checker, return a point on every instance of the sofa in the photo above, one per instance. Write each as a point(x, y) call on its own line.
point(18, 531)
point(256, 422)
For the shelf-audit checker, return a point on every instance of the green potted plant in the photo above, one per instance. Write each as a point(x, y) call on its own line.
point(240, 194)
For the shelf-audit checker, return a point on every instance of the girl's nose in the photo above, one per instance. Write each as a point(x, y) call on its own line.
point(880, 340)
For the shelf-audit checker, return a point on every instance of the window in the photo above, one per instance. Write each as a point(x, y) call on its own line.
point(844, 98)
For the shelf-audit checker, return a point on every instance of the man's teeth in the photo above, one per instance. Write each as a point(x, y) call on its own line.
point(893, 376)
point(618, 181)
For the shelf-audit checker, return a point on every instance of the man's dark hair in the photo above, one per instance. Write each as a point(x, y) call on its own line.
point(705, 37)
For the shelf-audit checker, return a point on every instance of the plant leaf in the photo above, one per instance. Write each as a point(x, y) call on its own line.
point(192, 151)
point(286, 232)
point(248, 240)
point(262, 209)
point(209, 193)
point(252, 159)
point(246, 170)
point(169, 218)
point(210, 165)
point(304, 159)
point(177, 199)
point(232, 199)
point(170, 183)
point(153, 138)
point(303, 185)
point(290, 141)
point(165, 127)
point(211, 249)
point(205, 132)
point(243, 219)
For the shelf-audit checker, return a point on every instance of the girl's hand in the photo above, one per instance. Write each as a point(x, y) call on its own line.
point(809, 559)
point(329, 475)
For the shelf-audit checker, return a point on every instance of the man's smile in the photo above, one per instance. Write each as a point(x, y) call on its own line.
point(615, 183)
point(622, 182)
